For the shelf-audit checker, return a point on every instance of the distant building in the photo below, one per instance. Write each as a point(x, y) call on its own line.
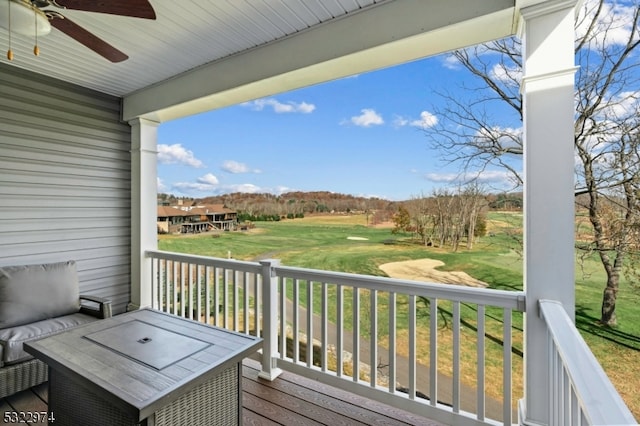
point(194, 219)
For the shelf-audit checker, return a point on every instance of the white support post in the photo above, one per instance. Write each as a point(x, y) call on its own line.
point(548, 96)
point(270, 371)
point(144, 212)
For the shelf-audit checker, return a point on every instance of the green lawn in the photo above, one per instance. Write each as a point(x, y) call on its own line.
point(324, 244)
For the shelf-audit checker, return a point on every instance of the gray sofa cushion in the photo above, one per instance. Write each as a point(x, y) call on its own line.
point(11, 339)
point(35, 292)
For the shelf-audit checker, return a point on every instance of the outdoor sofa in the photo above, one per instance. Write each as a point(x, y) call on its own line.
point(38, 301)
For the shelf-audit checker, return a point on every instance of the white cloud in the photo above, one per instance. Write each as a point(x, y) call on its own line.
point(623, 105)
point(208, 179)
point(205, 183)
point(506, 75)
point(177, 154)
point(234, 167)
point(190, 187)
point(425, 121)
point(248, 188)
point(209, 184)
point(231, 166)
point(253, 189)
point(280, 107)
point(369, 117)
point(507, 136)
point(451, 62)
point(614, 25)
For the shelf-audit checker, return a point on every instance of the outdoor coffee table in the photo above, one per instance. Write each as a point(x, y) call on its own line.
point(145, 367)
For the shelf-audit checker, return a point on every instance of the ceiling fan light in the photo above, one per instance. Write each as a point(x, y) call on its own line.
point(22, 18)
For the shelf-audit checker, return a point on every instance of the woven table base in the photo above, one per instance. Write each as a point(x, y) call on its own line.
point(214, 402)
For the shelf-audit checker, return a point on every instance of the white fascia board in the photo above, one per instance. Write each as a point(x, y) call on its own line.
point(389, 34)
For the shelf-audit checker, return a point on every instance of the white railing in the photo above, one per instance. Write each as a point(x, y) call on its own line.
point(397, 341)
point(580, 393)
point(361, 316)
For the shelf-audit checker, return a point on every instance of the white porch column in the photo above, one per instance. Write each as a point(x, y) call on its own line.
point(144, 212)
point(548, 95)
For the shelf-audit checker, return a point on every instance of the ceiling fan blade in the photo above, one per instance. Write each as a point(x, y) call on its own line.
point(133, 8)
point(90, 40)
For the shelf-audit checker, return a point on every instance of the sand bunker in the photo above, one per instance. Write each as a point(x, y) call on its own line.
point(425, 270)
point(357, 238)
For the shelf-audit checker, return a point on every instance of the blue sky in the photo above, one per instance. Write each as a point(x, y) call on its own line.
point(362, 135)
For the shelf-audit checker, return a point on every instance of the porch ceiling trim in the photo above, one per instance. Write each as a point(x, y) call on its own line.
point(385, 35)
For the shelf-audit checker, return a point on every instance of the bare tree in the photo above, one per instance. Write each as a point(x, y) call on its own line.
point(446, 217)
point(606, 124)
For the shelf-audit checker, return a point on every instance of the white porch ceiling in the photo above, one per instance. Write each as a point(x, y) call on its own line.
point(204, 54)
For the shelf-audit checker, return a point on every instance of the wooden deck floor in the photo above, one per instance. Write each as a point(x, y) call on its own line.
point(289, 400)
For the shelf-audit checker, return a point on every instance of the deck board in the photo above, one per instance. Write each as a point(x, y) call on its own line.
point(288, 400)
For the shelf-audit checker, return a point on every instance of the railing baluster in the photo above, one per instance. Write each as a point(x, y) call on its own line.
point(373, 338)
point(551, 361)
point(506, 366)
point(164, 290)
point(217, 320)
point(575, 408)
point(309, 323)
point(324, 326)
point(199, 279)
point(183, 279)
point(162, 285)
point(355, 356)
point(566, 398)
point(225, 297)
point(174, 286)
point(257, 307)
point(412, 347)
point(235, 297)
point(296, 321)
point(456, 357)
point(283, 317)
point(433, 352)
point(190, 289)
point(207, 295)
point(154, 282)
point(558, 372)
point(480, 363)
point(167, 286)
point(392, 342)
point(245, 302)
point(339, 330)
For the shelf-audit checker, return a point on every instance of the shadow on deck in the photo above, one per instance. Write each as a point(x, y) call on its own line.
point(288, 400)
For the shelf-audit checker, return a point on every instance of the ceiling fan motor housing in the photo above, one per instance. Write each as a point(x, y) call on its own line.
point(23, 18)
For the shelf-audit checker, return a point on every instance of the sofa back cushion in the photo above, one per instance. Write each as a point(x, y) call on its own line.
point(32, 293)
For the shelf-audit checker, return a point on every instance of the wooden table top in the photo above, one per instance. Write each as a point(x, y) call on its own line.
point(144, 359)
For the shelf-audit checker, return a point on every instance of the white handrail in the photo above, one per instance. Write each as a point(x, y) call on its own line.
point(458, 293)
point(598, 402)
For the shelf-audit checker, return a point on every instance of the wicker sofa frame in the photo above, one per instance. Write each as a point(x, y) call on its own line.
point(23, 375)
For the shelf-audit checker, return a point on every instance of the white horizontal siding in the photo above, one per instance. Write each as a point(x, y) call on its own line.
point(65, 181)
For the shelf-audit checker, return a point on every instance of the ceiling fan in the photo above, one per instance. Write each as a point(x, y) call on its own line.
point(38, 16)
